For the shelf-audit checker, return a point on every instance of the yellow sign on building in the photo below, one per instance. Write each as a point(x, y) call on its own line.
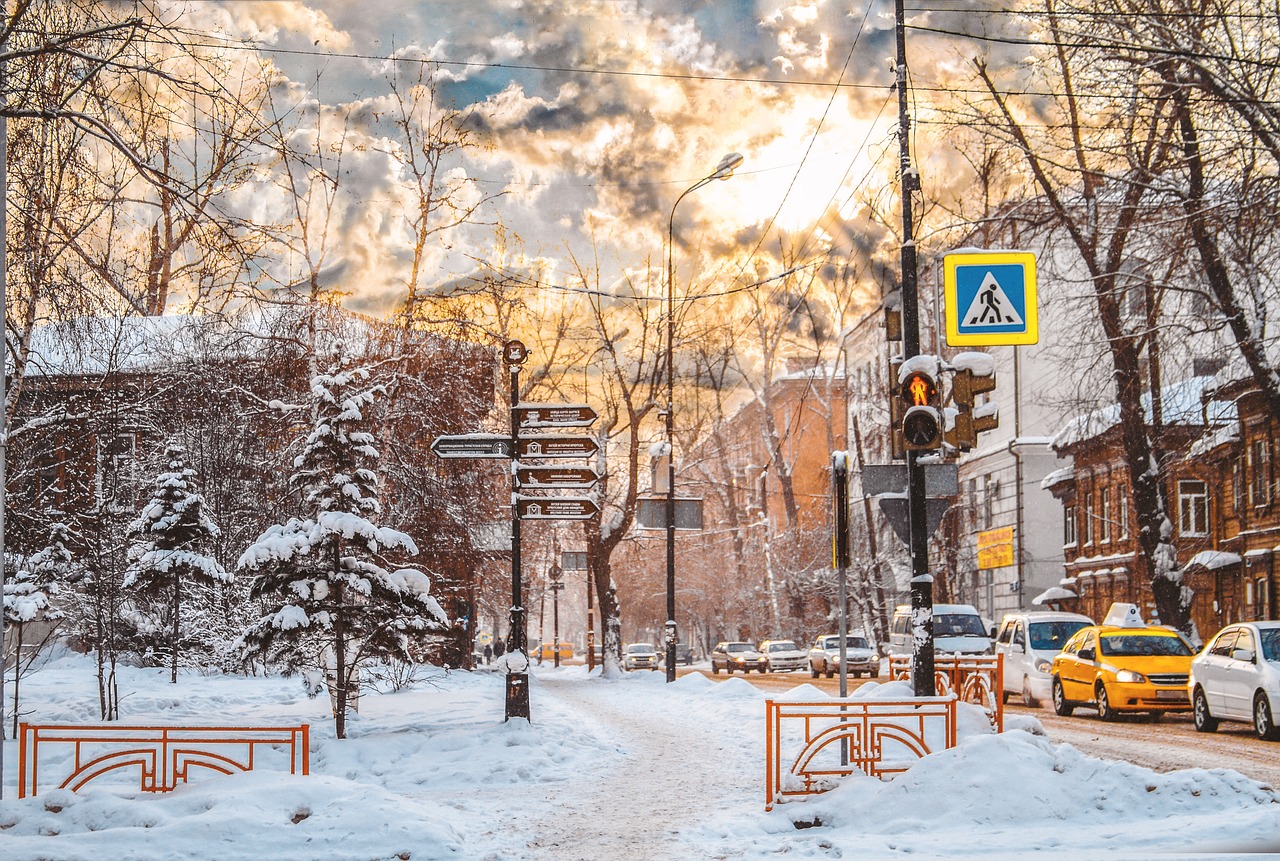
point(995, 548)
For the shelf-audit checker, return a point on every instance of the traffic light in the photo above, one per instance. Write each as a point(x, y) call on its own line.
point(921, 420)
point(971, 379)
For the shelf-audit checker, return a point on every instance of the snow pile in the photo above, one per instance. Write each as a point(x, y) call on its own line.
point(625, 768)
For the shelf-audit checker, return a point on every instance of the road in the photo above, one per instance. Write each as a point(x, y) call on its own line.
point(1169, 744)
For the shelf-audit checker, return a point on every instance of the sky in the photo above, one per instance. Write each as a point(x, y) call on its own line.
point(593, 116)
point(626, 769)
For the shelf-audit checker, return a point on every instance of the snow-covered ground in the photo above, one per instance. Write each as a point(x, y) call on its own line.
point(608, 770)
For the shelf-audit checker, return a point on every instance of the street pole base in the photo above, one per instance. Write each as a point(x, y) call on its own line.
point(517, 696)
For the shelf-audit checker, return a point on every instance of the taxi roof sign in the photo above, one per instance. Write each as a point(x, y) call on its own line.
point(990, 298)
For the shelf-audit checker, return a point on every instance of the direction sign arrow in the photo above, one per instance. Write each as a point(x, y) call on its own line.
point(472, 445)
point(554, 415)
point(556, 507)
point(566, 477)
point(556, 446)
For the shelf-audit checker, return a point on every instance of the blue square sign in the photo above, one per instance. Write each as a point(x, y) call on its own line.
point(990, 298)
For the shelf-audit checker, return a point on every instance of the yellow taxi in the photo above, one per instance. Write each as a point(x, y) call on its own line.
point(1122, 667)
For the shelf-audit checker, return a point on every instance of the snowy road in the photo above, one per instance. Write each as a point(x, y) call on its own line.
point(643, 807)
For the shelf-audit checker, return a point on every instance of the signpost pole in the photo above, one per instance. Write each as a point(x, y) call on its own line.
point(840, 561)
point(922, 681)
point(517, 676)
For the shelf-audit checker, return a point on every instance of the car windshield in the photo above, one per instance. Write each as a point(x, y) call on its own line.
point(639, 649)
point(1051, 636)
point(784, 646)
point(738, 647)
point(833, 643)
point(1150, 645)
point(957, 625)
point(1270, 643)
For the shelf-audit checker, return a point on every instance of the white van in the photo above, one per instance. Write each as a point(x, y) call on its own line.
point(1029, 641)
point(957, 628)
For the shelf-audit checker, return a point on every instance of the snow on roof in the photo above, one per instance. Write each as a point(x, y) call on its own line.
point(1212, 560)
point(1058, 476)
point(1180, 404)
point(1053, 593)
point(982, 364)
point(96, 345)
point(1215, 438)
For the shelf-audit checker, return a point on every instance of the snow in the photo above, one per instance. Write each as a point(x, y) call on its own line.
point(1212, 560)
point(624, 769)
point(1181, 405)
point(981, 364)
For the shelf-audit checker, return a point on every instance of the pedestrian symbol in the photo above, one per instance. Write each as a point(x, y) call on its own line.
point(990, 298)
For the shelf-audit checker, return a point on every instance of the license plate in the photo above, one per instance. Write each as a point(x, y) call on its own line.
point(1172, 695)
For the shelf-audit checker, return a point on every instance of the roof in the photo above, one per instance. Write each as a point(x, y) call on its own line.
point(1058, 476)
point(1213, 560)
point(1181, 404)
point(1053, 593)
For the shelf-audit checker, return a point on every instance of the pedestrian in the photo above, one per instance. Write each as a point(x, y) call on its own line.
point(488, 653)
point(499, 647)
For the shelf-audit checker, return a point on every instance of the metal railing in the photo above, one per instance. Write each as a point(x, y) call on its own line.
point(976, 679)
point(811, 745)
point(163, 755)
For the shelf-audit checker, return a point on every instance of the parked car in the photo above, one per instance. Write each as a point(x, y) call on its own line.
point(684, 654)
point(824, 657)
point(730, 656)
point(957, 628)
point(639, 656)
point(782, 655)
point(1237, 678)
point(1122, 668)
point(1029, 643)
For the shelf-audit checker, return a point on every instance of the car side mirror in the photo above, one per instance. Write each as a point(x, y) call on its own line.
point(1245, 655)
point(1087, 655)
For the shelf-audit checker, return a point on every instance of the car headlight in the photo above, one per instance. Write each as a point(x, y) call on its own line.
point(1129, 677)
point(741, 660)
point(1043, 665)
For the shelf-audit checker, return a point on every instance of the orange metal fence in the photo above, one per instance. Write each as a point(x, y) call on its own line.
point(76, 753)
point(977, 679)
point(809, 746)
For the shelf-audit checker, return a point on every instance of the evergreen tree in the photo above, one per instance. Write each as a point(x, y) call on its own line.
point(28, 604)
point(167, 554)
point(332, 603)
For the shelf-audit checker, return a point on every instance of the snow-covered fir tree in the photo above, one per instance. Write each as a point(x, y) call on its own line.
point(29, 607)
point(167, 557)
point(333, 600)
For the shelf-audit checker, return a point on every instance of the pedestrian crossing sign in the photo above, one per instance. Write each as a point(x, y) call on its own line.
point(990, 298)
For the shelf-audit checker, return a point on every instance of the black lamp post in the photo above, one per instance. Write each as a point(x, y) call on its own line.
point(723, 170)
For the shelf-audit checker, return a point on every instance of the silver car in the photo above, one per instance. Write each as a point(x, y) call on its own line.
point(1237, 678)
point(783, 655)
point(824, 657)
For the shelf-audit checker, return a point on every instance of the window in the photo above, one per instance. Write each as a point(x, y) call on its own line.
point(991, 492)
point(1068, 526)
point(1259, 473)
point(1104, 512)
point(1122, 503)
point(1193, 508)
point(115, 478)
point(1237, 486)
point(1087, 525)
point(973, 501)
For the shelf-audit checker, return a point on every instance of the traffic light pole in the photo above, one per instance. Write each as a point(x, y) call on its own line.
point(922, 680)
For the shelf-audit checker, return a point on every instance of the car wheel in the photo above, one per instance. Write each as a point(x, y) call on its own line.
point(1263, 724)
point(764, 668)
point(830, 673)
point(728, 668)
point(875, 674)
point(1200, 716)
point(813, 671)
point(1103, 700)
point(715, 671)
point(1061, 705)
point(1028, 698)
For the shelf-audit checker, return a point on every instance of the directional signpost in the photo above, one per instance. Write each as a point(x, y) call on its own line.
point(556, 446)
point(535, 447)
point(990, 298)
point(557, 477)
point(472, 446)
point(556, 507)
point(555, 415)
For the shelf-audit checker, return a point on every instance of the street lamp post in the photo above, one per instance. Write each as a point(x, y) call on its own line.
point(723, 170)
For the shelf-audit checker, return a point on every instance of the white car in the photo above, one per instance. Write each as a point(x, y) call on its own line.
point(1029, 641)
point(783, 655)
point(640, 656)
point(1237, 678)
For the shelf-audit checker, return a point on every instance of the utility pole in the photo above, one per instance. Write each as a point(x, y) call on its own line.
point(922, 680)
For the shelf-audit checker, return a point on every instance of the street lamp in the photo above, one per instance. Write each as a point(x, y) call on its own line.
point(723, 170)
